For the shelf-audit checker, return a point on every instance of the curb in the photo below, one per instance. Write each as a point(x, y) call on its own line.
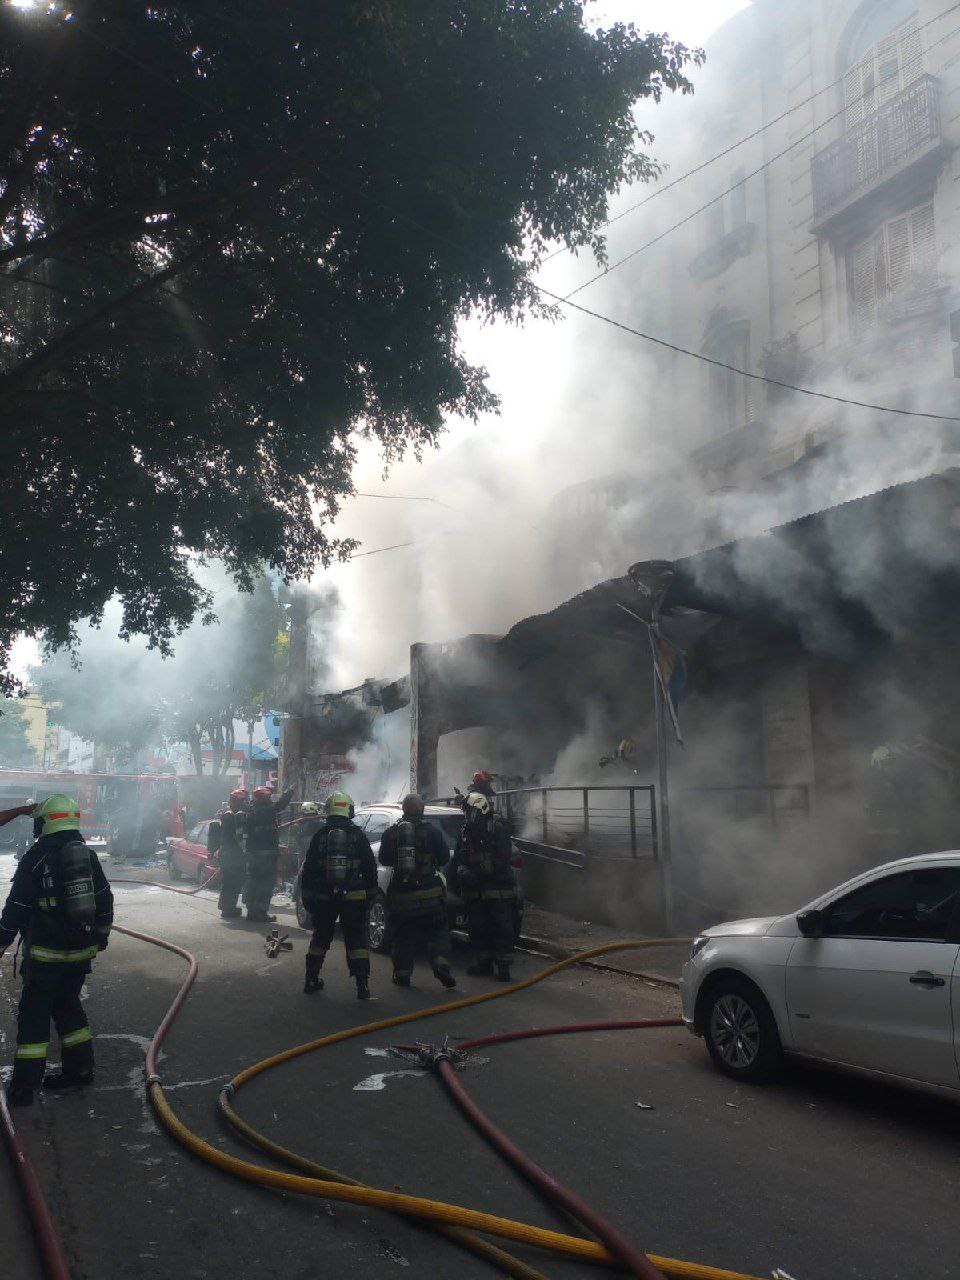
point(545, 947)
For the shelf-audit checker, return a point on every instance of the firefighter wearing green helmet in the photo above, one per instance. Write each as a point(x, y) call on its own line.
point(338, 879)
point(62, 906)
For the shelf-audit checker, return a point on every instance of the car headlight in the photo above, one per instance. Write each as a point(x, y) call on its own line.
point(699, 943)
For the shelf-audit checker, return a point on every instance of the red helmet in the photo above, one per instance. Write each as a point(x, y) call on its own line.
point(481, 776)
point(239, 794)
point(260, 794)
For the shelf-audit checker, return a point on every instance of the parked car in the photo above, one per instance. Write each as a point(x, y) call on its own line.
point(866, 976)
point(188, 856)
point(374, 820)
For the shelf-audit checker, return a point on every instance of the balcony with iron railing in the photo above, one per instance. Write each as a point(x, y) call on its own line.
point(876, 152)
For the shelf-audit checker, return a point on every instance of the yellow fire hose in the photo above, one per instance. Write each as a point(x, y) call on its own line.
point(434, 1211)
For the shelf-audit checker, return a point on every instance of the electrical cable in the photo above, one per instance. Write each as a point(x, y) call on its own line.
point(750, 137)
point(662, 235)
point(744, 373)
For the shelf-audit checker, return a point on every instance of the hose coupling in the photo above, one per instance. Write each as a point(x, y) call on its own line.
point(431, 1055)
point(227, 1091)
point(154, 1079)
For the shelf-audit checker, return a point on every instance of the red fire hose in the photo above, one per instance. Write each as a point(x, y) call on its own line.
point(49, 1245)
point(632, 1257)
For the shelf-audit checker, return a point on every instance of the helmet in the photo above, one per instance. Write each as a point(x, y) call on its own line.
point(412, 806)
point(477, 806)
point(238, 798)
point(57, 813)
point(481, 776)
point(339, 805)
point(309, 807)
point(260, 794)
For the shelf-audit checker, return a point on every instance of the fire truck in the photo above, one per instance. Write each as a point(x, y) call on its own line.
point(124, 814)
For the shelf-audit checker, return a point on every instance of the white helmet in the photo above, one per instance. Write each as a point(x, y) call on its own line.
point(477, 806)
point(309, 808)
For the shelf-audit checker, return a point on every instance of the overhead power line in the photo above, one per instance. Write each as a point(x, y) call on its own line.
point(798, 142)
point(744, 373)
point(749, 137)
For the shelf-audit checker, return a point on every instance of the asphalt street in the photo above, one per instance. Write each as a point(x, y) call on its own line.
point(825, 1176)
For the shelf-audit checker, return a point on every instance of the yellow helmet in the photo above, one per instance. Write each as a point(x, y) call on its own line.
point(339, 805)
point(57, 813)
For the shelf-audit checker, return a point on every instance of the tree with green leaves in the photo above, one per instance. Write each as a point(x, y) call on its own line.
point(15, 749)
point(125, 696)
point(230, 241)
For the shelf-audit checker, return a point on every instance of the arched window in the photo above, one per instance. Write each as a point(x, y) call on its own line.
point(880, 56)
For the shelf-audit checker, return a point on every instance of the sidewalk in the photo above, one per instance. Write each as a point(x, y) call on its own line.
point(560, 936)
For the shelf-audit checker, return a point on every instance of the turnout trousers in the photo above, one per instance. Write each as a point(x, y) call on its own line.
point(490, 925)
point(352, 914)
point(412, 929)
point(51, 991)
point(261, 880)
point(233, 870)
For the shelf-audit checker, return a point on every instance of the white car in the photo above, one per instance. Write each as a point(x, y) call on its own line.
point(866, 976)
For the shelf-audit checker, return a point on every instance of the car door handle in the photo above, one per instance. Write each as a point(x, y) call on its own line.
point(924, 978)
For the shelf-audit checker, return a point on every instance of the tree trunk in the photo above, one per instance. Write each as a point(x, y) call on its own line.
point(196, 748)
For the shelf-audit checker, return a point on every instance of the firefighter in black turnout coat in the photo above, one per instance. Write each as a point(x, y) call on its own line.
point(484, 879)
point(338, 879)
point(263, 852)
point(233, 860)
point(417, 897)
point(61, 903)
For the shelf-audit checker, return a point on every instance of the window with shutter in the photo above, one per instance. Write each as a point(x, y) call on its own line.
point(898, 255)
point(879, 74)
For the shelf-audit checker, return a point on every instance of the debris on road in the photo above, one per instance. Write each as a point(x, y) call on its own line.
point(644, 1106)
point(274, 943)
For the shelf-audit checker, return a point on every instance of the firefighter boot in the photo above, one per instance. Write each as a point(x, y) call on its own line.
point(363, 989)
point(503, 970)
point(482, 969)
point(312, 981)
point(67, 1079)
point(401, 979)
point(444, 976)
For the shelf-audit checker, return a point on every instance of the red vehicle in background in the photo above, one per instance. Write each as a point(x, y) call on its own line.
point(124, 814)
point(188, 856)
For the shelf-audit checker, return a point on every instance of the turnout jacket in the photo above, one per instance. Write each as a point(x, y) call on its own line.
point(481, 862)
point(360, 881)
point(30, 910)
point(423, 889)
point(232, 823)
point(260, 822)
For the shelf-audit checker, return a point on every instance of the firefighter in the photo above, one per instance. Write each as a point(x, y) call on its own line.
point(263, 852)
point(233, 860)
point(484, 878)
point(339, 878)
point(417, 897)
point(62, 906)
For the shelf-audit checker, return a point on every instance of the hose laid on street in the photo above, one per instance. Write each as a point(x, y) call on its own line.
point(412, 1206)
point(619, 1245)
point(49, 1245)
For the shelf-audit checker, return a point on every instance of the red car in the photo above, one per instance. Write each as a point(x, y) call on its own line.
point(188, 856)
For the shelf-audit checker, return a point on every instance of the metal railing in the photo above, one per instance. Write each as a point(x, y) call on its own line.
point(876, 146)
point(601, 821)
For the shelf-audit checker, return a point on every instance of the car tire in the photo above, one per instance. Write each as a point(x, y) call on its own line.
point(378, 925)
point(740, 1030)
point(173, 871)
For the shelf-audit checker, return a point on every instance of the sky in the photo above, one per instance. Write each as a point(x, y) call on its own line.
point(529, 436)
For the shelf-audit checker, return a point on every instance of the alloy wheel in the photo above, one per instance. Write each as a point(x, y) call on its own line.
point(735, 1031)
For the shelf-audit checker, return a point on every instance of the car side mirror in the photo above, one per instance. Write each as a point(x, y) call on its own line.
point(811, 923)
